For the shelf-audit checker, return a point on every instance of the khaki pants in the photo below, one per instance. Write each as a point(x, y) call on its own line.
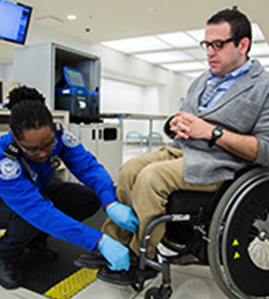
point(145, 183)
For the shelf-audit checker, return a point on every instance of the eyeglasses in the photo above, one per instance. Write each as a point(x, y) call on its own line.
point(217, 44)
point(35, 151)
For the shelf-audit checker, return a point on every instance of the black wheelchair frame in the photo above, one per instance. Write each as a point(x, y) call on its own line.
point(227, 230)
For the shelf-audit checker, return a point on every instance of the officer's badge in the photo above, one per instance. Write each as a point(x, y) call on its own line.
point(69, 139)
point(55, 162)
point(9, 169)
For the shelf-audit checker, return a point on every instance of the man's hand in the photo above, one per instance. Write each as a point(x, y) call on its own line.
point(186, 125)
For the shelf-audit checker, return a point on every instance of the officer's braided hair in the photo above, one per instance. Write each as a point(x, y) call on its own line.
point(28, 111)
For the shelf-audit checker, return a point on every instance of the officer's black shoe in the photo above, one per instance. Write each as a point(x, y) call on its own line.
point(41, 250)
point(10, 275)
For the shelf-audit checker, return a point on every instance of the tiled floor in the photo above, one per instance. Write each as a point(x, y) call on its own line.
point(191, 282)
point(188, 282)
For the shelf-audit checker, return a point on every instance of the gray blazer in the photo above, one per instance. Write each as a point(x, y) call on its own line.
point(243, 109)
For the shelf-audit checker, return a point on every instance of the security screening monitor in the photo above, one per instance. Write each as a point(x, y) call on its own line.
point(71, 94)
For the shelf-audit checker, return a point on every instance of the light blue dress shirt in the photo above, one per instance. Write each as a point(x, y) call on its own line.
point(223, 86)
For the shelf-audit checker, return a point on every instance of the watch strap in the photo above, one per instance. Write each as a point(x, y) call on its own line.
point(216, 133)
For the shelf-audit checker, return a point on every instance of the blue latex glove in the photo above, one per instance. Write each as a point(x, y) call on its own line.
point(115, 253)
point(123, 216)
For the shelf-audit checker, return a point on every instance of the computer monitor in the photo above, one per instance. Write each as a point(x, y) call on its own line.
point(74, 77)
point(14, 21)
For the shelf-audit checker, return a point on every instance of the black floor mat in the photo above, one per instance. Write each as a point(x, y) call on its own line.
point(39, 276)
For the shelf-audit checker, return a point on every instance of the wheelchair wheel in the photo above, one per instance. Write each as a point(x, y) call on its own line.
point(239, 232)
point(158, 293)
point(151, 293)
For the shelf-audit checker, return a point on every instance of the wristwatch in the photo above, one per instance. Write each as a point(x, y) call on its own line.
point(216, 133)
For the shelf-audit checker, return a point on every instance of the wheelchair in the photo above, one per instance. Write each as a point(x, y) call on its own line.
point(227, 230)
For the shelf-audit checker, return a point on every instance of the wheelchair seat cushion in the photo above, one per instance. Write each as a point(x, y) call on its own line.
point(187, 202)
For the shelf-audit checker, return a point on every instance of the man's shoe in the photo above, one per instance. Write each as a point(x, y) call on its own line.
point(123, 278)
point(91, 260)
point(10, 275)
point(95, 260)
point(42, 251)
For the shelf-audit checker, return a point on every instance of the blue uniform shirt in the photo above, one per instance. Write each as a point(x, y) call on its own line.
point(25, 199)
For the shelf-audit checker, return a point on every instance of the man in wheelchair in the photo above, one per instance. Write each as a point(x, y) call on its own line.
point(221, 128)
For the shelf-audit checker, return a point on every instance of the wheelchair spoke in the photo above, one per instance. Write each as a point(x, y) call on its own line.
point(263, 216)
point(258, 248)
point(253, 233)
point(239, 232)
point(262, 222)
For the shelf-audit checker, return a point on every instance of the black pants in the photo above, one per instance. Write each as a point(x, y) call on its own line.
point(75, 200)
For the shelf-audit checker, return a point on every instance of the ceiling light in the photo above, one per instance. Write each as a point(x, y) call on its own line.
point(264, 61)
point(257, 34)
point(178, 39)
point(71, 17)
point(138, 44)
point(198, 34)
point(193, 74)
point(259, 49)
point(186, 66)
point(198, 53)
point(162, 57)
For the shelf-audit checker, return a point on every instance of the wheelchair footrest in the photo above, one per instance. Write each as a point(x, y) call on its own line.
point(148, 273)
point(185, 260)
point(142, 276)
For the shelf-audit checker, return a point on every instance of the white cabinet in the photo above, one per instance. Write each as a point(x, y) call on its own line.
point(104, 141)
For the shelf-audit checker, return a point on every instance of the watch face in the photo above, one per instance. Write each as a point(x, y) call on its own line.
point(217, 132)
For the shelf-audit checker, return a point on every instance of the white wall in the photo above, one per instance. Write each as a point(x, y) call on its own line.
point(5, 76)
point(2, 73)
point(122, 97)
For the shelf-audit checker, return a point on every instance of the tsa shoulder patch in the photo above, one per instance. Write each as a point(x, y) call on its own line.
point(69, 139)
point(9, 169)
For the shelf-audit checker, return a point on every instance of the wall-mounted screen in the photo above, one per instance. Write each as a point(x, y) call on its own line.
point(14, 21)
